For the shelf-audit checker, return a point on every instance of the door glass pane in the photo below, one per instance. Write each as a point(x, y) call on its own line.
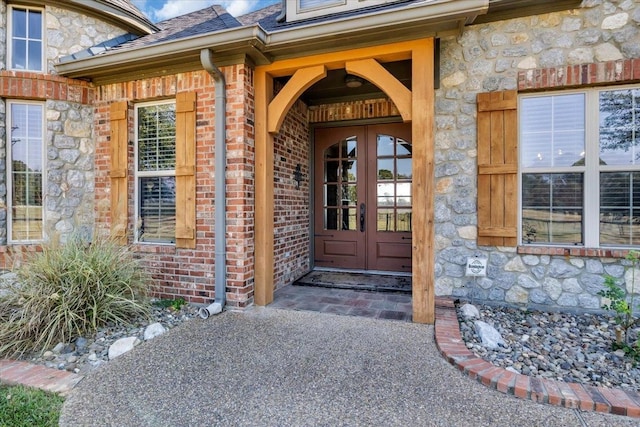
point(404, 169)
point(393, 192)
point(403, 148)
point(349, 195)
point(552, 207)
point(620, 208)
point(403, 194)
point(619, 127)
point(385, 169)
point(331, 219)
point(350, 147)
point(340, 185)
point(332, 152)
point(331, 171)
point(349, 170)
point(386, 145)
point(331, 196)
point(349, 219)
point(385, 220)
point(386, 194)
point(404, 220)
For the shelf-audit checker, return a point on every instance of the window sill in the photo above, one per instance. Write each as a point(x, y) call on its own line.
point(575, 252)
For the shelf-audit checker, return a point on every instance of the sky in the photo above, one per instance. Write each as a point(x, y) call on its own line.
point(159, 10)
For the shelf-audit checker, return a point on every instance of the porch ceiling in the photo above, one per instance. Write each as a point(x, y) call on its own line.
point(332, 88)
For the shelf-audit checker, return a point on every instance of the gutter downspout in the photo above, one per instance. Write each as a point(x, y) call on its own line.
point(220, 202)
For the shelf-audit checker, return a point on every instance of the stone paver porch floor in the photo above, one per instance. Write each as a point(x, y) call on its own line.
point(379, 305)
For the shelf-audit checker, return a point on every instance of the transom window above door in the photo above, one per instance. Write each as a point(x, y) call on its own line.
point(580, 167)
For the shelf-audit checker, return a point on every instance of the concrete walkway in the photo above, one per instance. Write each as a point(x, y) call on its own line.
point(272, 367)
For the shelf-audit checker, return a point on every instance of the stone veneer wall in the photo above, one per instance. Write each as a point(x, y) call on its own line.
point(510, 55)
point(291, 210)
point(70, 32)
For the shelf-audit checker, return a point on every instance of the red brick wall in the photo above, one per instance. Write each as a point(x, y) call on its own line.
point(27, 85)
point(612, 72)
point(291, 210)
point(189, 273)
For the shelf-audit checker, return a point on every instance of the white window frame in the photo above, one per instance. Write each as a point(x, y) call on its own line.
point(591, 170)
point(295, 11)
point(43, 58)
point(143, 174)
point(9, 168)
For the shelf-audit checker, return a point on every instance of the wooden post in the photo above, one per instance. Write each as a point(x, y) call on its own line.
point(263, 192)
point(422, 129)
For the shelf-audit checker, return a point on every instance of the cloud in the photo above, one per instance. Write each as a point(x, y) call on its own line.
point(173, 8)
point(240, 7)
point(160, 10)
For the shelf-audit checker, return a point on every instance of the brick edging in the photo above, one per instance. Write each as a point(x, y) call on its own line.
point(558, 393)
point(14, 372)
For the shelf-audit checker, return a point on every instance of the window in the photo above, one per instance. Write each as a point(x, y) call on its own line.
point(580, 168)
point(315, 4)
point(306, 9)
point(155, 172)
point(26, 50)
point(25, 171)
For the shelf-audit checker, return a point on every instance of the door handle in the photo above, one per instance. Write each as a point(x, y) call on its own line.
point(362, 210)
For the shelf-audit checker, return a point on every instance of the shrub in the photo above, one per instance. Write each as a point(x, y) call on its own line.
point(623, 305)
point(71, 290)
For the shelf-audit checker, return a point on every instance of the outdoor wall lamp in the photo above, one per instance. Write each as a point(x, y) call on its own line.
point(297, 175)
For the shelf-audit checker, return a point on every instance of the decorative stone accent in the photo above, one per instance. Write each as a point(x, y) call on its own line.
point(70, 32)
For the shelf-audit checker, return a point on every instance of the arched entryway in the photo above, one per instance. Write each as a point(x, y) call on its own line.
point(415, 106)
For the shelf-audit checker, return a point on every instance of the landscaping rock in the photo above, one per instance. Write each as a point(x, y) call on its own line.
point(122, 346)
point(154, 330)
point(469, 311)
point(489, 336)
point(558, 346)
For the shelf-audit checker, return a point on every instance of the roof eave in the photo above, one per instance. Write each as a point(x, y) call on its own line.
point(180, 53)
point(104, 10)
point(404, 23)
point(415, 20)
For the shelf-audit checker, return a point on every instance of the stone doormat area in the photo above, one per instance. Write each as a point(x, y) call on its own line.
point(356, 281)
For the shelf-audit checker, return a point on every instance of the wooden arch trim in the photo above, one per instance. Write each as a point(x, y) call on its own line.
point(299, 82)
point(371, 70)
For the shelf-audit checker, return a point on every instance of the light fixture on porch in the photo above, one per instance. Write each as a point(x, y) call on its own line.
point(353, 81)
point(297, 175)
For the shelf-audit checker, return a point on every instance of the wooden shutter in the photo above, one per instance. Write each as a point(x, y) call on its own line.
point(119, 202)
point(186, 170)
point(497, 168)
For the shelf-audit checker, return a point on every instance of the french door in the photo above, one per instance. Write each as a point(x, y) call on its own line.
point(363, 197)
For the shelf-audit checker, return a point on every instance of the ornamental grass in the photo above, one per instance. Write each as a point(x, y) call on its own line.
point(70, 290)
